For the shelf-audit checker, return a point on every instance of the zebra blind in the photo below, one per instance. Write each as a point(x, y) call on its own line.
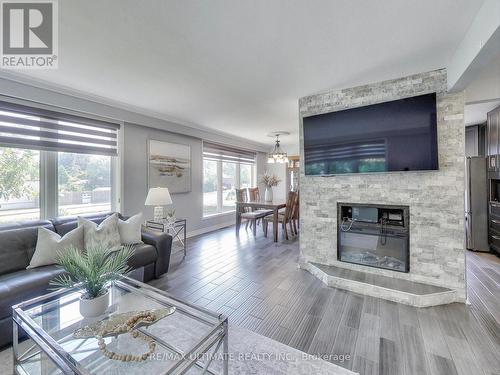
point(35, 128)
point(216, 151)
point(354, 151)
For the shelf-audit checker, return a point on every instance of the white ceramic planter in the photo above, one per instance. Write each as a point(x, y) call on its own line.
point(90, 308)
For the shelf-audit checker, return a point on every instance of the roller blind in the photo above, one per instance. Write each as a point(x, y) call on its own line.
point(36, 128)
point(216, 151)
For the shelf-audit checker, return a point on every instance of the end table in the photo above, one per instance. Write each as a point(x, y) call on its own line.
point(177, 229)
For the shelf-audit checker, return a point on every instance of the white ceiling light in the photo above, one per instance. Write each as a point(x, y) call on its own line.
point(277, 155)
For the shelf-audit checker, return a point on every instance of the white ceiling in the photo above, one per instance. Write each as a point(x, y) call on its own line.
point(239, 66)
point(486, 85)
point(477, 113)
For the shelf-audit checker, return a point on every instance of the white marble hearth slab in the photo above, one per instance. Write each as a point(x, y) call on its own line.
point(250, 353)
point(392, 289)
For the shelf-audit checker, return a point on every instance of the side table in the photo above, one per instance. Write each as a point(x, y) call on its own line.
point(176, 229)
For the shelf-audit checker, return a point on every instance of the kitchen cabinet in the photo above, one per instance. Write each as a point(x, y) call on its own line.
point(493, 140)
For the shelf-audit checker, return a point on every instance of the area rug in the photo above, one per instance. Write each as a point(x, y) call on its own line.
point(250, 353)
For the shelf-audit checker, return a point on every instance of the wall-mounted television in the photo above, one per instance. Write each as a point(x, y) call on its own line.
point(399, 135)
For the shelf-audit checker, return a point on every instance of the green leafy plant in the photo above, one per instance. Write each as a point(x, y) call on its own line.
point(92, 268)
point(17, 169)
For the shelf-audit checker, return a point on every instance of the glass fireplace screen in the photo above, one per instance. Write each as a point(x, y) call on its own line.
point(380, 240)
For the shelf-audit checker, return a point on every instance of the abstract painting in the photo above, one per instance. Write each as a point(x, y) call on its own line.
point(169, 165)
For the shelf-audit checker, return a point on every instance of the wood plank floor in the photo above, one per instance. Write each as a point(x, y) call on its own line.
point(258, 285)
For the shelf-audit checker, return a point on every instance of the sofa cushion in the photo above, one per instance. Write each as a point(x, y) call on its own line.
point(143, 255)
point(130, 229)
point(22, 285)
point(17, 244)
point(105, 235)
point(65, 224)
point(49, 244)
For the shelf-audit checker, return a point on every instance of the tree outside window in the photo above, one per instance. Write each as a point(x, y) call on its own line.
point(84, 183)
point(19, 184)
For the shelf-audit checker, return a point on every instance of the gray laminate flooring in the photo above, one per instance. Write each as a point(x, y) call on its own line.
point(258, 285)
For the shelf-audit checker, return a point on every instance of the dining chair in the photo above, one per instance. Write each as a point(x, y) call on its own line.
point(294, 223)
point(254, 194)
point(248, 214)
point(284, 218)
point(242, 196)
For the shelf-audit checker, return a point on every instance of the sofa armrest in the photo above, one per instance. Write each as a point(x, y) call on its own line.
point(163, 244)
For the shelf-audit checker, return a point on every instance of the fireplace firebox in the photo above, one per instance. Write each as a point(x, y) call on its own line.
point(374, 235)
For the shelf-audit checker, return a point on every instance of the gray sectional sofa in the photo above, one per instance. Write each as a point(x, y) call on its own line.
point(17, 245)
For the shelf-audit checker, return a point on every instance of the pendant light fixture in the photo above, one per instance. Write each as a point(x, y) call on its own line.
point(277, 155)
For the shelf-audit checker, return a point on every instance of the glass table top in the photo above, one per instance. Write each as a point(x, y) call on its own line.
point(55, 318)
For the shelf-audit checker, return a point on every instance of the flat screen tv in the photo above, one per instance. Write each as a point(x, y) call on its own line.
point(399, 135)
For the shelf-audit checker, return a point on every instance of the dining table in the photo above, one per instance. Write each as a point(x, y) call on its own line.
point(274, 205)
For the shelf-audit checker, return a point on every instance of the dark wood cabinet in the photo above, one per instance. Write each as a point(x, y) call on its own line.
point(493, 155)
point(493, 144)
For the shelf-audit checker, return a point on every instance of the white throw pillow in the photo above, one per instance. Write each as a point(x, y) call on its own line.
point(130, 230)
point(49, 244)
point(104, 235)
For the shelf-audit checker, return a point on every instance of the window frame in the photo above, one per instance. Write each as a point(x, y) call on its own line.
point(220, 180)
point(49, 183)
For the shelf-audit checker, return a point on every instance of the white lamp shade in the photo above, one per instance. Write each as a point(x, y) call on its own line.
point(158, 197)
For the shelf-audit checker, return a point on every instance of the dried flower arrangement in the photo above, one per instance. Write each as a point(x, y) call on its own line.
point(269, 180)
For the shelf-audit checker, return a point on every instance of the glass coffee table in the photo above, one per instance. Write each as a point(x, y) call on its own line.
point(186, 341)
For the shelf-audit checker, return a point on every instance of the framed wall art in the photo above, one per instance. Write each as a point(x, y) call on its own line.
point(169, 165)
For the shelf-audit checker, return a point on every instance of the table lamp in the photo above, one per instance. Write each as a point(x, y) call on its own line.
point(158, 197)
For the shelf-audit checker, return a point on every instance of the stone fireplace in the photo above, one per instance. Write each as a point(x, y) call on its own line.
point(434, 202)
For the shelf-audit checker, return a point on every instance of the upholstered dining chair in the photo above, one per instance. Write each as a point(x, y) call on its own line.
point(249, 215)
point(254, 195)
point(286, 217)
point(294, 222)
point(242, 196)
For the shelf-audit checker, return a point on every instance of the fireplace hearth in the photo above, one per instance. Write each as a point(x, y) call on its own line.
point(374, 235)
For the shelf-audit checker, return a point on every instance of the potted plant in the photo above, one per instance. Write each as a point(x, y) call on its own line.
point(170, 218)
point(92, 270)
point(269, 181)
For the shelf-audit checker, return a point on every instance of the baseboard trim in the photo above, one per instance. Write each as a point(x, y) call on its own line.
point(211, 228)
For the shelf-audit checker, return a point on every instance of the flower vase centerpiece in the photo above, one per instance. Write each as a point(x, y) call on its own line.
point(92, 270)
point(269, 181)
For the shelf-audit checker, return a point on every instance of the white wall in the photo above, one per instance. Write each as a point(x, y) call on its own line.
point(279, 192)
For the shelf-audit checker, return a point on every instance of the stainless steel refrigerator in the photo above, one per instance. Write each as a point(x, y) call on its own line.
point(476, 204)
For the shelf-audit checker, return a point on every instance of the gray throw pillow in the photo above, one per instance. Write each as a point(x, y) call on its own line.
point(104, 235)
point(49, 244)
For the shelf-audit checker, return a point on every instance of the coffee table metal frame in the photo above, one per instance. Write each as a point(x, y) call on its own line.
point(209, 344)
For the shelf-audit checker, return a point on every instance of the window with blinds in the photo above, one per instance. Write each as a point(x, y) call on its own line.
point(225, 169)
point(41, 129)
point(214, 151)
